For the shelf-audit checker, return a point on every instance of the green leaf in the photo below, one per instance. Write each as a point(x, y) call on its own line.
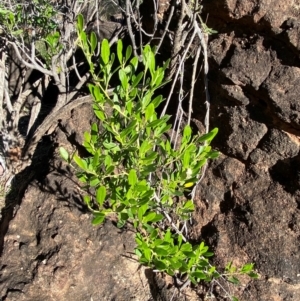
point(101, 195)
point(208, 254)
point(159, 265)
point(186, 159)
point(147, 253)
point(175, 264)
point(157, 123)
point(98, 218)
point(152, 217)
point(128, 52)
point(163, 129)
point(80, 22)
point(233, 280)
point(161, 251)
point(80, 162)
point(93, 41)
point(186, 247)
point(64, 154)
point(150, 113)
point(119, 51)
point(209, 136)
point(168, 236)
point(105, 51)
point(145, 147)
point(199, 275)
point(121, 224)
point(83, 38)
point(94, 132)
point(94, 181)
point(187, 132)
point(133, 139)
point(120, 208)
point(189, 206)
point(123, 216)
point(157, 218)
point(253, 275)
point(141, 211)
point(137, 79)
point(95, 161)
point(132, 177)
point(153, 234)
point(149, 158)
point(134, 62)
point(87, 200)
point(123, 78)
point(247, 268)
point(110, 145)
point(157, 101)
point(138, 252)
point(213, 155)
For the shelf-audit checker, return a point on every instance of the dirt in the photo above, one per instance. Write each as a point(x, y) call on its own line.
point(247, 205)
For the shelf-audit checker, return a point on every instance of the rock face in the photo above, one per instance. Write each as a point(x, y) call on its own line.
point(51, 251)
point(255, 184)
point(248, 203)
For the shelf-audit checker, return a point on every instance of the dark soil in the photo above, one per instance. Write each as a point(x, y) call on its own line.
point(247, 205)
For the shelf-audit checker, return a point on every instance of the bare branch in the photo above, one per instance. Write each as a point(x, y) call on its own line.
point(36, 105)
point(2, 84)
point(178, 41)
point(32, 65)
point(193, 84)
point(128, 21)
point(167, 26)
point(177, 73)
point(54, 67)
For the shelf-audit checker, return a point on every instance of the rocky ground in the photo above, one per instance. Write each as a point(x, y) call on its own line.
point(248, 203)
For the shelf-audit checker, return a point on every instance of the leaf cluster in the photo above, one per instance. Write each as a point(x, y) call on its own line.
point(21, 18)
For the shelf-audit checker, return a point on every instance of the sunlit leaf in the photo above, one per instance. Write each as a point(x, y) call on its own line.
point(209, 136)
point(101, 195)
point(105, 51)
point(119, 51)
point(98, 218)
point(80, 162)
point(93, 41)
point(128, 52)
point(132, 177)
point(64, 154)
point(80, 22)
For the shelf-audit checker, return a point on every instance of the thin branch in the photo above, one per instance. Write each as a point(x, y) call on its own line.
point(178, 42)
point(54, 62)
point(79, 85)
point(34, 65)
point(179, 113)
point(55, 115)
point(193, 84)
point(167, 26)
point(33, 46)
point(75, 68)
point(155, 4)
point(36, 105)
point(177, 73)
point(7, 98)
point(2, 84)
point(139, 18)
point(128, 22)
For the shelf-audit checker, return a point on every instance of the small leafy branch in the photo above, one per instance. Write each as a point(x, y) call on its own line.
point(135, 172)
point(23, 18)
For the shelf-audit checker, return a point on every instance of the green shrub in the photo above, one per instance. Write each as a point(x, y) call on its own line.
point(136, 172)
